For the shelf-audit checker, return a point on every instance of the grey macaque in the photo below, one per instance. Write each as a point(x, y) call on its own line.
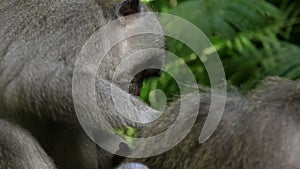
point(39, 44)
point(260, 130)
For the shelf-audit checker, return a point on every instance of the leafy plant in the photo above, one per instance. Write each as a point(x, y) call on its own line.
point(254, 38)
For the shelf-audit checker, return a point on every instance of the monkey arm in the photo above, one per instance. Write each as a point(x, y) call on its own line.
point(18, 149)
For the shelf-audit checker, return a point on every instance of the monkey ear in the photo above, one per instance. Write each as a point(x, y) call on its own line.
point(128, 7)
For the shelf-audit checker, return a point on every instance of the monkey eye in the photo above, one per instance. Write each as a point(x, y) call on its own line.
point(129, 7)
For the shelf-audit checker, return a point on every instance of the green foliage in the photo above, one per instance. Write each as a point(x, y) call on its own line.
point(254, 38)
point(128, 134)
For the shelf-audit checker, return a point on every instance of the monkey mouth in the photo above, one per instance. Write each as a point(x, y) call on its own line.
point(136, 84)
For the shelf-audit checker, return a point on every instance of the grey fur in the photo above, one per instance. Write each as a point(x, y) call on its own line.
point(18, 149)
point(259, 131)
point(39, 44)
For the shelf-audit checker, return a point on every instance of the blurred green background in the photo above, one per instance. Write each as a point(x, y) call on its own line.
point(254, 38)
